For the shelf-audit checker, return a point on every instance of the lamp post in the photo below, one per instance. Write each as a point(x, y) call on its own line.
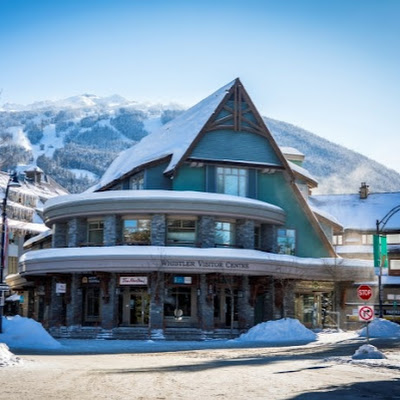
point(380, 226)
point(12, 182)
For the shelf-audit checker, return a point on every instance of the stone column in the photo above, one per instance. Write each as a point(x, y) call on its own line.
point(157, 293)
point(245, 234)
point(269, 299)
point(109, 300)
point(74, 305)
point(269, 238)
point(205, 306)
point(245, 310)
point(206, 231)
point(110, 230)
point(289, 298)
point(158, 230)
point(56, 306)
point(59, 238)
point(77, 232)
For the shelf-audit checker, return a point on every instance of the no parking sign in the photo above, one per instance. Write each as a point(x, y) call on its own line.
point(366, 313)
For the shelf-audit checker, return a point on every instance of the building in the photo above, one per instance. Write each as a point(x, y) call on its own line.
point(200, 230)
point(353, 239)
point(24, 216)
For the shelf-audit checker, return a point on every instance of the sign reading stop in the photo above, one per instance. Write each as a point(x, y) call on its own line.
point(364, 292)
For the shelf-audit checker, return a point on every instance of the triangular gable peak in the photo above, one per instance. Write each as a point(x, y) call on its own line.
point(236, 112)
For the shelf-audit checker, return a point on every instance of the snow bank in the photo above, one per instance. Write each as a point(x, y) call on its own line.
point(6, 357)
point(381, 328)
point(283, 330)
point(25, 333)
point(367, 351)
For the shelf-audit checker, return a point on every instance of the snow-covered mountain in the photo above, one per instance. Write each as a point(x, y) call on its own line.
point(75, 139)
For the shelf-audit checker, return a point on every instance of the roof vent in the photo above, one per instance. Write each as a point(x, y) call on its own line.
point(364, 191)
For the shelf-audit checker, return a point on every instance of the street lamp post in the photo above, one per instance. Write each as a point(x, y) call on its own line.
point(12, 182)
point(380, 226)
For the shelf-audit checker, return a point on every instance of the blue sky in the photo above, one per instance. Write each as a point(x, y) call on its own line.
point(329, 66)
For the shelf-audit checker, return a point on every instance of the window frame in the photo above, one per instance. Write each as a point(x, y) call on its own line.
point(180, 230)
point(138, 219)
point(232, 230)
point(224, 174)
point(291, 244)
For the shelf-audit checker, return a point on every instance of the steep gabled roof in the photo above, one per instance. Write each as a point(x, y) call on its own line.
point(172, 139)
point(176, 139)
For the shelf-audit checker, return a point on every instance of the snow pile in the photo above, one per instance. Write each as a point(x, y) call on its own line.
point(6, 357)
point(381, 328)
point(367, 351)
point(283, 330)
point(25, 333)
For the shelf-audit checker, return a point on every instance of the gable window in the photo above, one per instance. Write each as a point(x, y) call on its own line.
point(136, 231)
point(181, 232)
point(232, 181)
point(137, 182)
point(225, 234)
point(95, 232)
point(286, 241)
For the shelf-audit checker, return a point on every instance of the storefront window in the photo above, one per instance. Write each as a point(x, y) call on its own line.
point(95, 232)
point(178, 302)
point(232, 181)
point(224, 234)
point(136, 231)
point(181, 232)
point(286, 241)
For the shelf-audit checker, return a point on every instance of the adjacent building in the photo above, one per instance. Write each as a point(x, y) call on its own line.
point(202, 229)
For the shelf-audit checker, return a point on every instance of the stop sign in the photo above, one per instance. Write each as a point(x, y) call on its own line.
point(364, 292)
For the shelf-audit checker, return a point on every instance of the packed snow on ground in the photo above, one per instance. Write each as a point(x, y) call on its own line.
point(367, 351)
point(381, 328)
point(283, 330)
point(26, 333)
point(6, 357)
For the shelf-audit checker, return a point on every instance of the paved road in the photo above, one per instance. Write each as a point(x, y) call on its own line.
point(301, 372)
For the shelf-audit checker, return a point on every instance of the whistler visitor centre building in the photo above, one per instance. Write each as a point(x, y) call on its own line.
point(201, 230)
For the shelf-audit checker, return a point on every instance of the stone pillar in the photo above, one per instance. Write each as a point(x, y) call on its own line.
point(109, 300)
point(157, 293)
point(206, 231)
point(110, 230)
point(269, 238)
point(74, 303)
point(245, 234)
point(56, 307)
point(288, 298)
point(59, 238)
point(77, 232)
point(158, 230)
point(118, 230)
point(205, 305)
point(269, 300)
point(245, 310)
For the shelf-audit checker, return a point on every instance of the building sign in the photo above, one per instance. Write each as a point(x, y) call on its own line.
point(183, 280)
point(205, 264)
point(61, 287)
point(90, 279)
point(133, 280)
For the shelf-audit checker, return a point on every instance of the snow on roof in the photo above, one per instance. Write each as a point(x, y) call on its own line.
point(161, 195)
point(325, 215)
point(14, 224)
point(39, 237)
point(291, 151)
point(360, 214)
point(303, 172)
point(172, 139)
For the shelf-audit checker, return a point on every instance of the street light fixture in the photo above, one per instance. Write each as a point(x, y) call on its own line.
point(380, 226)
point(12, 182)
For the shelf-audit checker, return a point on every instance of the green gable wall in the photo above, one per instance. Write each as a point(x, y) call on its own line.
point(155, 179)
point(189, 178)
point(276, 190)
point(238, 146)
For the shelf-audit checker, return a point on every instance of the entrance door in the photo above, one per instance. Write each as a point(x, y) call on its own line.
point(139, 308)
